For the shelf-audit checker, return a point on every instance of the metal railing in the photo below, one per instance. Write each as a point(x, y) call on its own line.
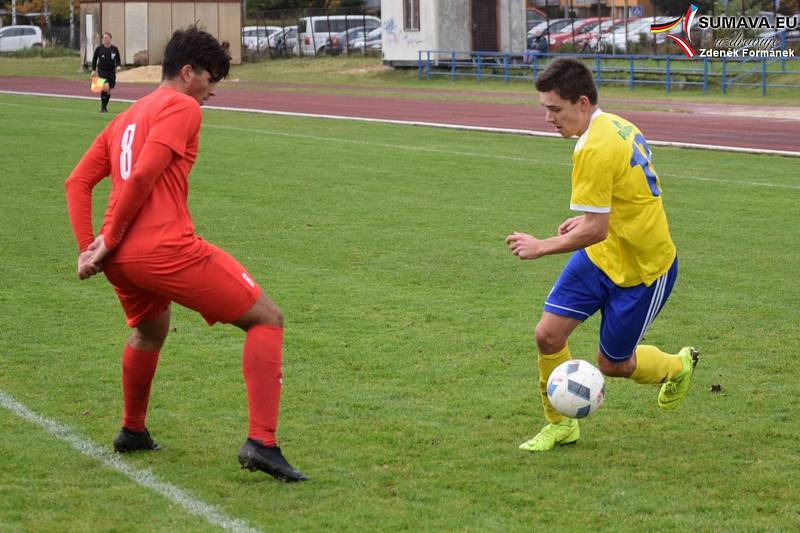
point(670, 71)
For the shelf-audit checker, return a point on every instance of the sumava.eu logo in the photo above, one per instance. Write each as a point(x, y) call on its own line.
point(741, 36)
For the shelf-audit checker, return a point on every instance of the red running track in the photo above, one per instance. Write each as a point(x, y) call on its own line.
point(716, 129)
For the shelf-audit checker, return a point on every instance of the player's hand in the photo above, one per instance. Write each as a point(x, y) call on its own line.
point(90, 262)
point(86, 268)
point(94, 73)
point(525, 246)
point(569, 224)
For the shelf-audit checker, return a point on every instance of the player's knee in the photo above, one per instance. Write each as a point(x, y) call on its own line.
point(148, 339)
point(547, 340)
point(616, 369)
point(263, 313)
point(269, 314)
point(275, 318)
point(271, 319)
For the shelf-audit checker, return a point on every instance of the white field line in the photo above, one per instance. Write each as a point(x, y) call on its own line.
point(145, 478)
point(453, 152)
point(674, 144)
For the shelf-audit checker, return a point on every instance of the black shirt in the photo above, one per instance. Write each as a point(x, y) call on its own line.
point(106, 59)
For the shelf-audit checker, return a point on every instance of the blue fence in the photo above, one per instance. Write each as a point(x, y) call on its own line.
point(629, 70)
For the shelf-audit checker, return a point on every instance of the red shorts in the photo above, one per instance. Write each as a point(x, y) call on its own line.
point(215, 285)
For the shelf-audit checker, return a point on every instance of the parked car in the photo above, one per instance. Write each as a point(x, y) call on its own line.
point(371, 43)
point(343, 42)
point(257, 37)
point(534, 17)
point(283, 42)
point(13, 38)
point(548, 27)
point(591, 40)
point(572, 31)
point(637, 27)
point(314, 32)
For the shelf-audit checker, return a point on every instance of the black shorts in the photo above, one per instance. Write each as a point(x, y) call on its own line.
point(110, 77)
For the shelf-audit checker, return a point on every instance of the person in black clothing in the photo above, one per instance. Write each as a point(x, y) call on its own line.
point(105, 63)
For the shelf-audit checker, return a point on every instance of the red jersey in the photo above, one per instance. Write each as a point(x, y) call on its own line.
point(162, 226)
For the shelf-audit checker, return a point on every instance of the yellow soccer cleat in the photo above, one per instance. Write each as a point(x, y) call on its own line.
point(565, 432)
point(674, 390)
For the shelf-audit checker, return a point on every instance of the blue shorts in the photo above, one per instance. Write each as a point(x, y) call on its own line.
point(582, 289)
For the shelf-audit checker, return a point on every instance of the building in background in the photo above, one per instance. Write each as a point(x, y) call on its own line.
point(411, 26)
point(141, 30)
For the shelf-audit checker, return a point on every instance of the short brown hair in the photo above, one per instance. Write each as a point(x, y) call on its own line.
point(569, 78)
point(195, 47)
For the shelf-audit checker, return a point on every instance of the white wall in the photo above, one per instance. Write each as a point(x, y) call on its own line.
point(135, 34)
point(401, 45)
point(512, 25)
point(446, 25)
point(455, 25)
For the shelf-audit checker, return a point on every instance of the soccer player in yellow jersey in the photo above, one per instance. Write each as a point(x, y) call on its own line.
point(624, 263)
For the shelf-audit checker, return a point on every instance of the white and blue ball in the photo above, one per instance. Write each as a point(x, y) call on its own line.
point(576, 388)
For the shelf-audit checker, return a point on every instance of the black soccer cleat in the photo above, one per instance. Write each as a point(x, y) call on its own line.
point(255, 456)
point(133, 441)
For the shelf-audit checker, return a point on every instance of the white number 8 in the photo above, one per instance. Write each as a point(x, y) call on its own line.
point(126, 156)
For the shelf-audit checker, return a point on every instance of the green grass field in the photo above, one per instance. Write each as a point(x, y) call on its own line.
point(408, 362)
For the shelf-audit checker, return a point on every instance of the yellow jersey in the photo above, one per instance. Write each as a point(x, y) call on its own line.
point(612, 173)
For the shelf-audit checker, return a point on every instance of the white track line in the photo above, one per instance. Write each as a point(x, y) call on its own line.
point(673, 144)
point(145, 478)
point(426, 149)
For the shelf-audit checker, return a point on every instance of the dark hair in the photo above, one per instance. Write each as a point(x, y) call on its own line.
point(200, 49)
point(569, 78)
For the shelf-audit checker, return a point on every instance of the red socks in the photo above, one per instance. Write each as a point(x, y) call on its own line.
point(138, 369)
point(261, 365)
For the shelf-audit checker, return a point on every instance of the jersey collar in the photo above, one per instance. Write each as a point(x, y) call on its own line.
point(582, 138)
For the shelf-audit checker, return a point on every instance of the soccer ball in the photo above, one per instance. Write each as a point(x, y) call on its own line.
point(576, 388)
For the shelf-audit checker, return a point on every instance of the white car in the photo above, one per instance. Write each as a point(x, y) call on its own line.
point(555, 25)
point(372, 41)
point(314, 32)
point(257, 37)
point(635, 29)
point(13, 38)
point(284, 41)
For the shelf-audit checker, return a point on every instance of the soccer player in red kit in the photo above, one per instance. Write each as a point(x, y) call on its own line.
point(149, 252)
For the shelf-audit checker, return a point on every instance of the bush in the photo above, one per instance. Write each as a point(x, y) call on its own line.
point(42, 51)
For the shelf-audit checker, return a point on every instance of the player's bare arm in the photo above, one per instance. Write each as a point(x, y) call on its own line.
point(569, 224)
point(589, 229)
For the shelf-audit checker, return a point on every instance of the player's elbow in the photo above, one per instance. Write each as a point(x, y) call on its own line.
point(72, 183)
point(69, 184)
point(593, 235)
point(599, 234)
point(595, 227)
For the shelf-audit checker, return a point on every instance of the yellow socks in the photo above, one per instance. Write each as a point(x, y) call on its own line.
point(652, 366)
point(655, 366)
point(547, 363)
